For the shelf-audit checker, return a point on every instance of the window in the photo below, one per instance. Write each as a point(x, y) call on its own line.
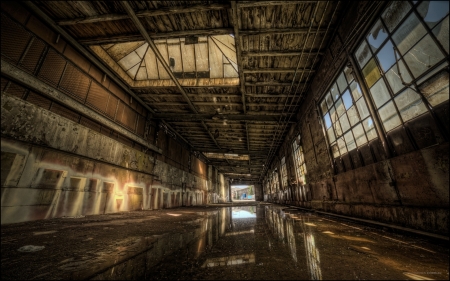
point(299, 161)
point(284, 180)
point(345, 114)
point(275, 181)
point(403, 60)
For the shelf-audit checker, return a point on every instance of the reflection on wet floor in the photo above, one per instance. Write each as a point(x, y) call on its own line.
point(262, 242)
point(272, 242)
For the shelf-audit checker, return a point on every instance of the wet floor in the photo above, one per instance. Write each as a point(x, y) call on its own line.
point(260, 242)
point(274, 242)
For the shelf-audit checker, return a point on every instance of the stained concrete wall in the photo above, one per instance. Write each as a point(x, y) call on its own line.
point(409, 189)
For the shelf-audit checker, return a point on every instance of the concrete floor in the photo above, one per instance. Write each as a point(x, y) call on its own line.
point(260, 241)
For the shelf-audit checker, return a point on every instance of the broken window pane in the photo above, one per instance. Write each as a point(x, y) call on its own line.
point(363, 54)
point(370, 129)
point(377, 36)
point(371, 73)
point(353, 116)
point(356, 91)
point(347, 99)
point(395, 80)
point(350, 141)
point(341, 145)
point(433, 11)
point(386, 56)
point(408, 34)
point(362, 108)
point(441, 31)
point(389, 116)
point(380, 93)
point(409, 104)
point(331, 136)
point(327, 120)
point(395, 13)
point(360, 137)
point(423, 56)
point(436, 89)
point(341, 82)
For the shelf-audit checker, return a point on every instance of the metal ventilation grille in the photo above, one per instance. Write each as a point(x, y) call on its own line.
point(16, 90)
point(18, 38)
point(32, 56)
point(39, 100)
point(52, 68)
point(112, 106)
point(90, 124)
point(65, 112)
point(75, 82)
point(97, 97)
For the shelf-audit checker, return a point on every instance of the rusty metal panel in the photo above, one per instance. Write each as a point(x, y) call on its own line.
point(16, 90)
point(75, 83)
point(97, 97)
point(141, 126)
point(378, 150)
point(400, 141)
point(52, 68)
point(347, 162)
point(339, 164)
point(355, 158)
point(424, 131)
point(90, 124)
point(33, 55)
point(14, 39)
point(65, 112)
point(125, 140)
point(39, 100)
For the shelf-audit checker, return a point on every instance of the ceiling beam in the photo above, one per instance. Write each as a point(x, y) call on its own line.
point(163, 11)
point(270, 31)
point(275, 70)
point(237, 42)
point(270, 3)
point(272, 83)
point(202, 95)
point(159, 35)
point(280, 53)
point(219, 117)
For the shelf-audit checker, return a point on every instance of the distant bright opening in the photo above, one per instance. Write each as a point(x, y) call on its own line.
point(243, 193)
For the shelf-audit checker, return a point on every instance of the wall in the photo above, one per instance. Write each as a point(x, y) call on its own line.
point(74, 143)
point(408, 188)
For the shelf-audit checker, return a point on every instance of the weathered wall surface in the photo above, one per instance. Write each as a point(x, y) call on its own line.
point(52, 166)
point(409, 189)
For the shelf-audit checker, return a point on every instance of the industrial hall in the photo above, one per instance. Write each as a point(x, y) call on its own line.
point(224, 140)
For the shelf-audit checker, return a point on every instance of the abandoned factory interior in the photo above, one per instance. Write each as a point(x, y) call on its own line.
point(212, 140)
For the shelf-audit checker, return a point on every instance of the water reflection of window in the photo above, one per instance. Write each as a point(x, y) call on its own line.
point(299, 161)
point(404, 53)
point(344, 116)
point(312, 257)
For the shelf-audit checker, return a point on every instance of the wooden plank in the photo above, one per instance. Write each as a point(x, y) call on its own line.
point(187, 51)
point(201, 56)
point(151, 65)
point(276, 70)
point(215, 59)
point(163, 73)
point(279, 54)
point(159, 35)
point(148, 13)
point(175, 54)
point(268, 31)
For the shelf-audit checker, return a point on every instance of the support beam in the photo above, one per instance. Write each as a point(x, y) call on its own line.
point(163, 11)
point(266, 84)
point(250, 4)
point(237, 43)
point(280, 53)
point(270, 31)
point(160, 35)
point(208, 117)
point(276, 70)
point(30, 81)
